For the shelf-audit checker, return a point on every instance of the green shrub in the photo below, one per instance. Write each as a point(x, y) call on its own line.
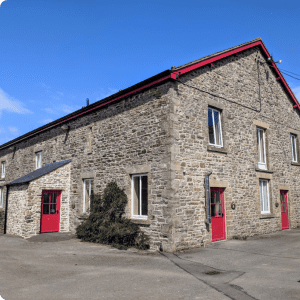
point(106, 224)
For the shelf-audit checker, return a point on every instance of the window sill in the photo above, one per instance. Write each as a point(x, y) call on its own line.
point(267, 216)
point(264, 171)
point(141, 221)
point(83, 216)
point(212, 148)
point(2, 179)
point(293, 163)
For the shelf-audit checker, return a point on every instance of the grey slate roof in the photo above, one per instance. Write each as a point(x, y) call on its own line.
point(40, 172)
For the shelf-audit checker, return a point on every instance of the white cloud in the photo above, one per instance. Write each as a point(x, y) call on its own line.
point(1, 1)
point(10, 104)
point(50, 110)
point(13, 130)
point(45, 121)
point(66, 108)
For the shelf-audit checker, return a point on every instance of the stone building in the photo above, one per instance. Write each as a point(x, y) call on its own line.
point(230, 114)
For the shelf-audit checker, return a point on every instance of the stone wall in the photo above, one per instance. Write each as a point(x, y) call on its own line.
point(107, 145)
point(240, 79)
point(24, 203)
point(18, 201)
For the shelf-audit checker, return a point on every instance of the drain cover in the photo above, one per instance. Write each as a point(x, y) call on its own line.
point(212, 272)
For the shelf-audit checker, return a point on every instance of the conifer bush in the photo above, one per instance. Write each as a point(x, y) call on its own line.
point(107, 225)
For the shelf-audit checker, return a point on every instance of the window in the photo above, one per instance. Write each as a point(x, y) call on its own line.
point(214, 127)
point(262, 162)
point(38, 160)
point(1, 197)
point(264, 196)
point(3, 169)
point(88, 191)
point(294, 147)
point(139, 197)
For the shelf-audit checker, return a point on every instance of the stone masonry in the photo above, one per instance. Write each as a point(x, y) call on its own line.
point(162, 131)
point(24, 203)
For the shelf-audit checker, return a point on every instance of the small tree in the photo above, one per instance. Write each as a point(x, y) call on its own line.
point(106, 224)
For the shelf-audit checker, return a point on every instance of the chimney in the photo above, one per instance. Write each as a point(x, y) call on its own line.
point(87, 102)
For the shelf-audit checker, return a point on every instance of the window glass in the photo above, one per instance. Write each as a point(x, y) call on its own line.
point(261, 149)
point(38, 160)
point(140, 195)
point(1, 197)
point(3, 169)
point(144, 196)
point(214, 127)
point(211, 127)
point(293, 148)
point(88, 191)
point(264, 196)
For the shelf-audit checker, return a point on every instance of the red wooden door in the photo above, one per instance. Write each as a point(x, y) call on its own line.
point(50, 211)
point(217, 214)
point(284, 210)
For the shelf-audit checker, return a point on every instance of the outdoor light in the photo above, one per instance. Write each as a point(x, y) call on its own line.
point(65, 127)
point(184, 172)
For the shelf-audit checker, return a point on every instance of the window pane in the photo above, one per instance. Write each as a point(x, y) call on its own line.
point(46, 198)
point(52, 208)
point(136, 195)
point(210, 127)
point(53, 198)
point(212, 197)
point(144, 195)
point(218, 197)
point(266, 200)
point(87, 187)
point(218, 207)
point(212, 207)
point(217, 128)
point(261, 195)
point(294, 151)
point(46, 209)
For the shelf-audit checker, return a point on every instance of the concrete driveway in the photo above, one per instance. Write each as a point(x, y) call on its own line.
point(60, 267)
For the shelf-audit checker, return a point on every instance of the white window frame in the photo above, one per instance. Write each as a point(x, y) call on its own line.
point(84, 209)
point(3, 169)
point(294, 143)
point(39, 159)
point(264, 197)
point(262, 158)
point(1, 197)
point(213, 119)
point(139, 216)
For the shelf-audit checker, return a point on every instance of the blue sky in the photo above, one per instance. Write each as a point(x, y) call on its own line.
point(56, 53)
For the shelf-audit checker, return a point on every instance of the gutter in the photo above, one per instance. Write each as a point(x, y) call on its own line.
point(6, 208)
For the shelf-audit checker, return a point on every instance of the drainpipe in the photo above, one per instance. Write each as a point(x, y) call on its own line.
point(207, 203)
point(6, 207)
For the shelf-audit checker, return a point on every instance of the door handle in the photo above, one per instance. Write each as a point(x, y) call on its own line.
point(57, 211)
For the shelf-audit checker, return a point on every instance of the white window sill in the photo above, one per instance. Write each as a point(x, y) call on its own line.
point(140, 221)
point(139, 217)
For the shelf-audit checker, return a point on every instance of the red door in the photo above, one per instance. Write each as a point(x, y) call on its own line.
point(217, 214)
point(50, 211)
point(284, 210)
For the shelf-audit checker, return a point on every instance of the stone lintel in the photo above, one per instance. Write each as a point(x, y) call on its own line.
point(261, 124)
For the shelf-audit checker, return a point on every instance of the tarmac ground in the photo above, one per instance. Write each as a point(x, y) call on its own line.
point(59, 266)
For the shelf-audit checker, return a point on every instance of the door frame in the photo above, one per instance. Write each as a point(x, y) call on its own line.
point(58, 192)
point(222, 209)
point(287, 209)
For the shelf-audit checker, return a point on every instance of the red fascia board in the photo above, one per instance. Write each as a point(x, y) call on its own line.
point(234, 51)
point(217, 57)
